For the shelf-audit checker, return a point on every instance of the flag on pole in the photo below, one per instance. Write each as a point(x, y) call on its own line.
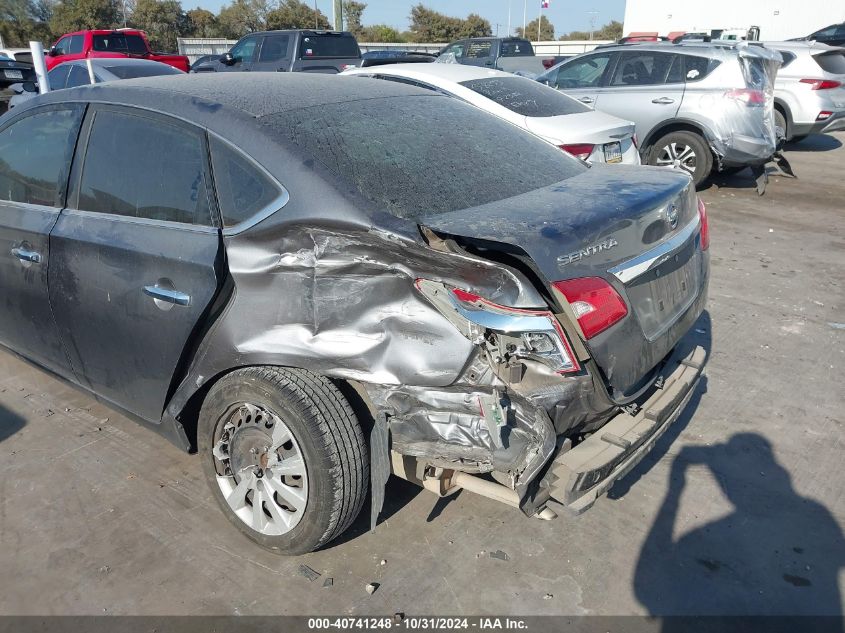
point(544, 4)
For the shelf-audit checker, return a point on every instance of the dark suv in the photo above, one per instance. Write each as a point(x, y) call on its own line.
point(286, 291)
point(288, 51)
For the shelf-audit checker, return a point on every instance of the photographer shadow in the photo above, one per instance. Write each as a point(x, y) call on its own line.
point(775, 552)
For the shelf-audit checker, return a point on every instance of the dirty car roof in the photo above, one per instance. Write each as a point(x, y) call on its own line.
point(255, 94)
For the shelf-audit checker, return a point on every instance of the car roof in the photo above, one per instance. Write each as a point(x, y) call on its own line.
point(254, 94)
point(448, 72)
point(314, 31)
point(803, 45)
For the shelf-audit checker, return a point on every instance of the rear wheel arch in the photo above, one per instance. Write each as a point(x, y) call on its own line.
point(786, 112)
point(671, 125)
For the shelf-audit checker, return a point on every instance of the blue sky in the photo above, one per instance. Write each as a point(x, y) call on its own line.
point(566, 15)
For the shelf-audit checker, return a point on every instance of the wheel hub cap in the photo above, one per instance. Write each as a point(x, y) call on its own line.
point(260, 469)
point(678, 156)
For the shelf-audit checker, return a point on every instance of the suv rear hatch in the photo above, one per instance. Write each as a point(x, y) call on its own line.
point(639, 231)
point(326, 52)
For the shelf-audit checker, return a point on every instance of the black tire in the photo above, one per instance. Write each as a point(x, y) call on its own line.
point(660, 152)
point(780, 121)
point(329, 437)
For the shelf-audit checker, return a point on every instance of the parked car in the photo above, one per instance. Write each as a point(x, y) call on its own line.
point(271, 274)
point(554, 117)
point(382, 58)
point(205, 59)
point(833, 35)
point(697, 107)
point(12, 72)
point(17, 54)
point(809, 89)
point(73, 74)
point(511, 54)
point(301, 50)
point(120, 43)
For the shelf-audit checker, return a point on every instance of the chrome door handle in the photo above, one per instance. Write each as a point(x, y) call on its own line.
point(663, 100)
point(26, 255)
point(586, 99)
point(170, 296)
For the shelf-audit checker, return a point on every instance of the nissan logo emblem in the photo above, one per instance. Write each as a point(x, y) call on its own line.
point(672, 216)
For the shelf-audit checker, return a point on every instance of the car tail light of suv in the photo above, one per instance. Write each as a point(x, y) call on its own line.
point(578, 150)
point(747, 96)
point(705, 227)
point(595, 303)
point(821, 84)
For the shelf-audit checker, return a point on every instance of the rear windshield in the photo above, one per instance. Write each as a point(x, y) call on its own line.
point(516, 48)
point(322, 46)
point(147, 70)
point(120, 43)
point(26, 58)
point(525, 96)
point(832, 62)
point(415, 156)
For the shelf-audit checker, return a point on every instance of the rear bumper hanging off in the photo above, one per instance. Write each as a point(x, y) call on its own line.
point(577, 477)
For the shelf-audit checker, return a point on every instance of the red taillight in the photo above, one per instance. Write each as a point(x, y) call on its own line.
point(578, 150)
point(821, 84)
point(596, 304)
point(824, 115)
point(705, 227)
point(747, 96)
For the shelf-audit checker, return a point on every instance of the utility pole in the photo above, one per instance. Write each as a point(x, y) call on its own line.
point(338, 15)
point(592, 15)
point(509, 19)
point(316, 15)
point(524, 18)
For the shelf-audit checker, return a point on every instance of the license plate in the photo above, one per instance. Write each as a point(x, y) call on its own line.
point(613, 152)
point(13, 74)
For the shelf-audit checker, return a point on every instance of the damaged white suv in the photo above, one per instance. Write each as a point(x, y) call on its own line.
point(323, 279)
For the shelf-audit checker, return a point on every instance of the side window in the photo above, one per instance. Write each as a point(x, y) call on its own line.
point(58, 76)
point(62, 47)
point(274, 48)
point(35, 156)
point(244, 50)
point(77, 42)
point(243, 189)
point(477, 50)
point(697, 68)
point(642, 69)
point(78, 77)
point(455, 49)
point(126, 171)
point(582, 73)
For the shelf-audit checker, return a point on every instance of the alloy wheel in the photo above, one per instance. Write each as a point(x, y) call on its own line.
point(678, 156)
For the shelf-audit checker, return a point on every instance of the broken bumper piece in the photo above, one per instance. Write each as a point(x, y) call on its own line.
point(577, 477)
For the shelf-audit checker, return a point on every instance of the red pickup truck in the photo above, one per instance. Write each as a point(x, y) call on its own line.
point(109, 43)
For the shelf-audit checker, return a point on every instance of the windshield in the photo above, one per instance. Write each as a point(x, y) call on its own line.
point(145, 70)
point(525, 96)
point(317, 46)
point(415, 156)
point(120, 43)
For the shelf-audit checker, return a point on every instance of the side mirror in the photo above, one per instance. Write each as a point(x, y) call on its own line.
point(228, 59)
point(54, 52)
point(29, 86)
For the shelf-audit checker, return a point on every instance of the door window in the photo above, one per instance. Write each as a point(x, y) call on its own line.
point(455, 49)
point(62, 47)
point(58, 76)
point(78, 77)
point(274, 48)
point(77, 43)
point(243, 189)
point(244, 50)
point(35, 155)
point(144, 167)
point(479, 50)
point(582, 73)
point(642, 69)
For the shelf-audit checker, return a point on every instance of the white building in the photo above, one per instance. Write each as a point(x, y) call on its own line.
point(777, 19)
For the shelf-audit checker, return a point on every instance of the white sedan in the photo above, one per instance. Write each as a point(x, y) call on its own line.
point(555, 117)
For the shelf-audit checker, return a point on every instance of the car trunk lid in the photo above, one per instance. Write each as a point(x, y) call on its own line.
point(637, 232)
point(581, 127)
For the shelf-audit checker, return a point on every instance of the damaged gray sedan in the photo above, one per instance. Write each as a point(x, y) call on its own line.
point(306, 278)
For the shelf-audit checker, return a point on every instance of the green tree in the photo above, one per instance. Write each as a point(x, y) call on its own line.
point(241, 17)
point(201, 23)
point(293, 14)
point(24, 20)
point(547, 30)
point(431, 26)
point(475, 26)
point(77, 15)
point(352, 12)
point(611, 31)
point(380, 33)
point(163, 21)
